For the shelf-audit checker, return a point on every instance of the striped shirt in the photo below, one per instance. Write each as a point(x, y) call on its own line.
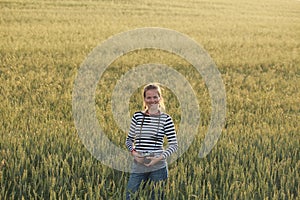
point(146, 134)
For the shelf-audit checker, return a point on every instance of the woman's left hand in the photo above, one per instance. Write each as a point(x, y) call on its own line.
point(154, 160)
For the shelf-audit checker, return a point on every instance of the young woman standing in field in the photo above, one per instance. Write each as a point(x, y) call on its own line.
point(145, 142)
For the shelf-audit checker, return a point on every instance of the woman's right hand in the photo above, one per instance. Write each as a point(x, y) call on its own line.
point(137, 157)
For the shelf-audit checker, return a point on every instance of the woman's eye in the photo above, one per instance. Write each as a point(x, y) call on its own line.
point(149, 98)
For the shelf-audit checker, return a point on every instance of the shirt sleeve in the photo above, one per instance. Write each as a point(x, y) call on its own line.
point(131, 134)
point(170, 133)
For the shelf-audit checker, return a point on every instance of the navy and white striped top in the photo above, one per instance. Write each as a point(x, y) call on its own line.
point(147, 132)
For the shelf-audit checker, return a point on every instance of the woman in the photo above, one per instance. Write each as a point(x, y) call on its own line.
point(145, 141)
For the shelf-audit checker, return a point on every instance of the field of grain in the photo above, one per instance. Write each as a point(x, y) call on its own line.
point(255, 45)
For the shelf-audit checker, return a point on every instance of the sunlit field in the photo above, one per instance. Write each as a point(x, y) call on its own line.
point(255, 45)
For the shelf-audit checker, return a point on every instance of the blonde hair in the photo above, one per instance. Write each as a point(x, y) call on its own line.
point(154, 86)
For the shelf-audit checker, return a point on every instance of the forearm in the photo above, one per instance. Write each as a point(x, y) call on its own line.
point(170, 150)
point(129, 143)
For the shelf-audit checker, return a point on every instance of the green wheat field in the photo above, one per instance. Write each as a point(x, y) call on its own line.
point(255, 45)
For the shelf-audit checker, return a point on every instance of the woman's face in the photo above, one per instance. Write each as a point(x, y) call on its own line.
point(152, 99)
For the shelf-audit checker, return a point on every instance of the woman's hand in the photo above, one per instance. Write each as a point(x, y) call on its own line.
point(154, 160)
point(137, 157)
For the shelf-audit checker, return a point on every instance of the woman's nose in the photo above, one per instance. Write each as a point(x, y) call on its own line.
point(151, 100)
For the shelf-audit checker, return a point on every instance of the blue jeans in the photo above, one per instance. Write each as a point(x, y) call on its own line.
point(159, 176)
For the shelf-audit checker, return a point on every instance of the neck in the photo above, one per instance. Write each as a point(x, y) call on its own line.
point(153, 111)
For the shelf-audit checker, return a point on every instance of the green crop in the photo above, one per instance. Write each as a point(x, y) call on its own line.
point(255, 45)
